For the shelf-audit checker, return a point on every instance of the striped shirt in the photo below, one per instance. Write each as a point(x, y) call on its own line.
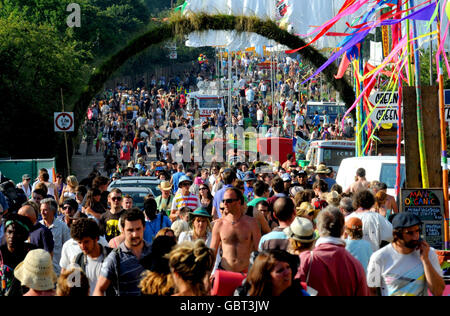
point(130, 269)
point(190, 201)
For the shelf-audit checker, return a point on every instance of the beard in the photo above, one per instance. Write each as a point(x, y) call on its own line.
point(412, 244)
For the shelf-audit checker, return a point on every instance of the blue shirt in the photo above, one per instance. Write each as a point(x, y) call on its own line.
point(130, 269)
point(154, 226)
point(218, 197)
point(175, 178)
point(316, 120)
point(330, 182)
point(360, 249)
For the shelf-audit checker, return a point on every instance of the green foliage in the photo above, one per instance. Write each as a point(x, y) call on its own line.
point(34, 63)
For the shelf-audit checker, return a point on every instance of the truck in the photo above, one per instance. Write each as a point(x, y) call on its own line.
point(330, 152)
point(205, 103)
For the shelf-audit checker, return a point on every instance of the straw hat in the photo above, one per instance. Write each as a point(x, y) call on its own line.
point(323, 169)
point(165, 186)
point(306, 208)
point(36, 271)
point(333, 198)
point(301, 230)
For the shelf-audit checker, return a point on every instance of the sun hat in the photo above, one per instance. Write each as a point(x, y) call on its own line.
point(405, 220)
point(36, 271)
point(185, 179)
point(199, 212)
point(301, 230)
point(323, 169)
point(295, 189)
point(333, 198)
point(305, 208)
point(165, 186)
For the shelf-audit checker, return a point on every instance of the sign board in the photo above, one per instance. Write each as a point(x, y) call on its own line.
point(386, 104)
point(385, 33)
point(173, 54)
point(447, 104)
point(64, 121)
point(428, 205)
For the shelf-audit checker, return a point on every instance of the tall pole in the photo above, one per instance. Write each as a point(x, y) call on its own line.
point(443, 143)
point(229, 88)
point(421, 137)
point(65, 137)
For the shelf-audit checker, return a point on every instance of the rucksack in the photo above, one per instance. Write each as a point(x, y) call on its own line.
point(125, 149)
point(14, 196)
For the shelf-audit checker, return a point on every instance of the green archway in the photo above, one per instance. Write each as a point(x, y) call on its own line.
point(180, 26)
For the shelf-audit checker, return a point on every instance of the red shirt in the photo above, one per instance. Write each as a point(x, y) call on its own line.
point(334, 271)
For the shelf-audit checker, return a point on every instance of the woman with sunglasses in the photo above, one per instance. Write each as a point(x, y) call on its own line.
point(206, 198)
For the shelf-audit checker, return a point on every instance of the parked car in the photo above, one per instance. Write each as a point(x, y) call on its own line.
point(137, 182)
point(138, 194)
point(381, 168)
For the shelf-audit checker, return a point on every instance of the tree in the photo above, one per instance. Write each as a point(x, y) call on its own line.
point(35, 63)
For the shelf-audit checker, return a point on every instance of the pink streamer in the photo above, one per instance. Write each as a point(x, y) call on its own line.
point(440, 51)
point(400, 45)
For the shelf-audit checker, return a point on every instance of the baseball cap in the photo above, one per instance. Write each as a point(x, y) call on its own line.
point(353, 223)
point(405, 220)
point(286, 177)
point(26, 177)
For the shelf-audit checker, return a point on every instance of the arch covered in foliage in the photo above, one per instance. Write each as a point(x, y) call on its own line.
point(179, 26)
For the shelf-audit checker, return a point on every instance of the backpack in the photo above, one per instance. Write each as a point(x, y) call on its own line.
point(81, 261)
point(125, 149)
point(14, 196)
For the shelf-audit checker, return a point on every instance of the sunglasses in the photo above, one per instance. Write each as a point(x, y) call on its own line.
point(66, 207)
point(229, 201)
point(116, 198)
point(203, 188)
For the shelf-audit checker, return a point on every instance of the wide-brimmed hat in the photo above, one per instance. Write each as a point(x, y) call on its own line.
point(301, 229)
point(165, 186)
point(323, 169)
point(185, 179)
point(199, 212)
point(305, 208)
point(36, 271)
point(333, 198)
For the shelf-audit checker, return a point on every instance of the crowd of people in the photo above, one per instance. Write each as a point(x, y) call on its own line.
point(278, 229)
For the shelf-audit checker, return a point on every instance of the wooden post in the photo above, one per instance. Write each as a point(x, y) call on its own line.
point(431, 135)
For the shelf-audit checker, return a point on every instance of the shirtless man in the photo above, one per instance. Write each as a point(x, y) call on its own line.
point(360, 183)
point(237, 233)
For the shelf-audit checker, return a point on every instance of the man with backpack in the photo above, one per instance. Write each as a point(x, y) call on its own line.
point(122, 269)
point(86, 233)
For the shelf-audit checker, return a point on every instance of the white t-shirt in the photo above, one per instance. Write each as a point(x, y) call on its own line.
point(375, 228)
point(93, 268)
point(399, 275)
point(260, 115)
point(299, 120)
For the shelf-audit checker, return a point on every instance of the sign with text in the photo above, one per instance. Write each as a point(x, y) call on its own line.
point(427, 204)
point(386, 104)
point(64, 121)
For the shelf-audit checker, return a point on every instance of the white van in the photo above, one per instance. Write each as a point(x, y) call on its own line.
point(207, 104)
point(330, 152)
point(381, 168)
